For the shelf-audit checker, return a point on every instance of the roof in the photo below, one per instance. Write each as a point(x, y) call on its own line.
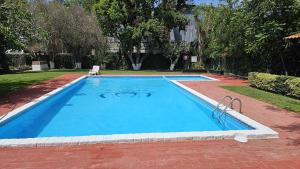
point(294, 36)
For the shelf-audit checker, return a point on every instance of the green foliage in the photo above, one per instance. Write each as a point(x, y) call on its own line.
point(286, 85)
point(272, 98)
point(133, 22)
point(263, 81)
point(127, 21)
point(170, 14)
point(173, 50)
point(248, 35)
point(198, 66)
point(70, 29)
point(12, 82)
point(86, 4)
point(293, 87)
point(16, 27)
point(204, 17)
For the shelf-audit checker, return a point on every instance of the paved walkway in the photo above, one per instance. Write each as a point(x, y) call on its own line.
point(25, 95)
point(273, 153)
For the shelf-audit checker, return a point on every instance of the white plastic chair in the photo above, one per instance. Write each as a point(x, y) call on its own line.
point(94, 70)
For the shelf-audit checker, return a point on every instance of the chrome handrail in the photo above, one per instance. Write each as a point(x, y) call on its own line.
point(220, 102)
point(240, 103)
point(232, 100)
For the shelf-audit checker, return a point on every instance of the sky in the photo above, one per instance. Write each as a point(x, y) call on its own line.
point(206, 1)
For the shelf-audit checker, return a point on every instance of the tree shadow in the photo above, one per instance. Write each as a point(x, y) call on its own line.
point(23, 95)
point(294, 131)
point(278, 109)
point(274, 108)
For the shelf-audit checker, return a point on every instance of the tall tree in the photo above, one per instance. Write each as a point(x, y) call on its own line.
point(126, 21)
point(248, 35)
point(204, 17)
point(268, 22)
point(69, 27)
point(16, 28)
point(171, 15)
point(134, 22)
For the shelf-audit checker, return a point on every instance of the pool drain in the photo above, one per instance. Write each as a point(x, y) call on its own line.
point(241, 138)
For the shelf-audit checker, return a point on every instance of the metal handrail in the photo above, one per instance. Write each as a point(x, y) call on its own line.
point(220, 102)
point(224, 112)
point(231, 106)
point(240, 103)
point(232, 100)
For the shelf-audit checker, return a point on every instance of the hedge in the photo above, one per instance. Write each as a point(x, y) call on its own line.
point(285, 85)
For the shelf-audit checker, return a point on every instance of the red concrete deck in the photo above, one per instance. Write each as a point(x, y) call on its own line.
point(274, 153)
point(25, 95)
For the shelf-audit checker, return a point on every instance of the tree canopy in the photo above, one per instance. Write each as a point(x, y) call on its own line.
point(16, 28)
point(69, 27)
point(243, 36)
point(134, 22)
point(235, 36)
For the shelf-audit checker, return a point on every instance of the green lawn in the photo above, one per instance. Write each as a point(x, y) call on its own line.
point(275, 99)
point(11, 82)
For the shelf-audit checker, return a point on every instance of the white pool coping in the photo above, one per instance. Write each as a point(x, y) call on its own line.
point(193, 75)
point(260, 131)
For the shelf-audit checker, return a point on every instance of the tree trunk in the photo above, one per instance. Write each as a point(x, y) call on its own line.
point(284, 67)
point(172, 66)
point(173, 63)
point(3, 61)
point(200, 48)
point(137, 65)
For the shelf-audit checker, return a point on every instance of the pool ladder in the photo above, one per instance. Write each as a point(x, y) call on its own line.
point(230, 104)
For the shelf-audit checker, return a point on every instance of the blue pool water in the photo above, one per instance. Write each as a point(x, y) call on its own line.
point(118, 105)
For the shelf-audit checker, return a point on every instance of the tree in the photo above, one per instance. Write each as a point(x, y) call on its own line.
point(248, 35)
point(204, 18)
point(174, 50)
point(268, 22)
point(127, 21)
point(136, 22)
point(16, 28)
point(86, 4)
point(70, 29)
point(171, 15)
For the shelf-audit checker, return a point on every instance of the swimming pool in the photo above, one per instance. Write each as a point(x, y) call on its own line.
point(112, 108)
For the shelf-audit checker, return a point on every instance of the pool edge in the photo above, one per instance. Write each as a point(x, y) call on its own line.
point(260, 132)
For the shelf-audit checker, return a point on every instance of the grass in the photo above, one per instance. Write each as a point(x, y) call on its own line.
point(12, 82)
point(272, 98)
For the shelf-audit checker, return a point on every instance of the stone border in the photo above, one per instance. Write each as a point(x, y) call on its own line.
point(260, 130)
point(192, 75)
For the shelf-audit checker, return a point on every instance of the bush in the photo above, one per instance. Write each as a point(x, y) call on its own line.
point(280, 86)
point(293, 87)
point(263, 81)
point(286, 85)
